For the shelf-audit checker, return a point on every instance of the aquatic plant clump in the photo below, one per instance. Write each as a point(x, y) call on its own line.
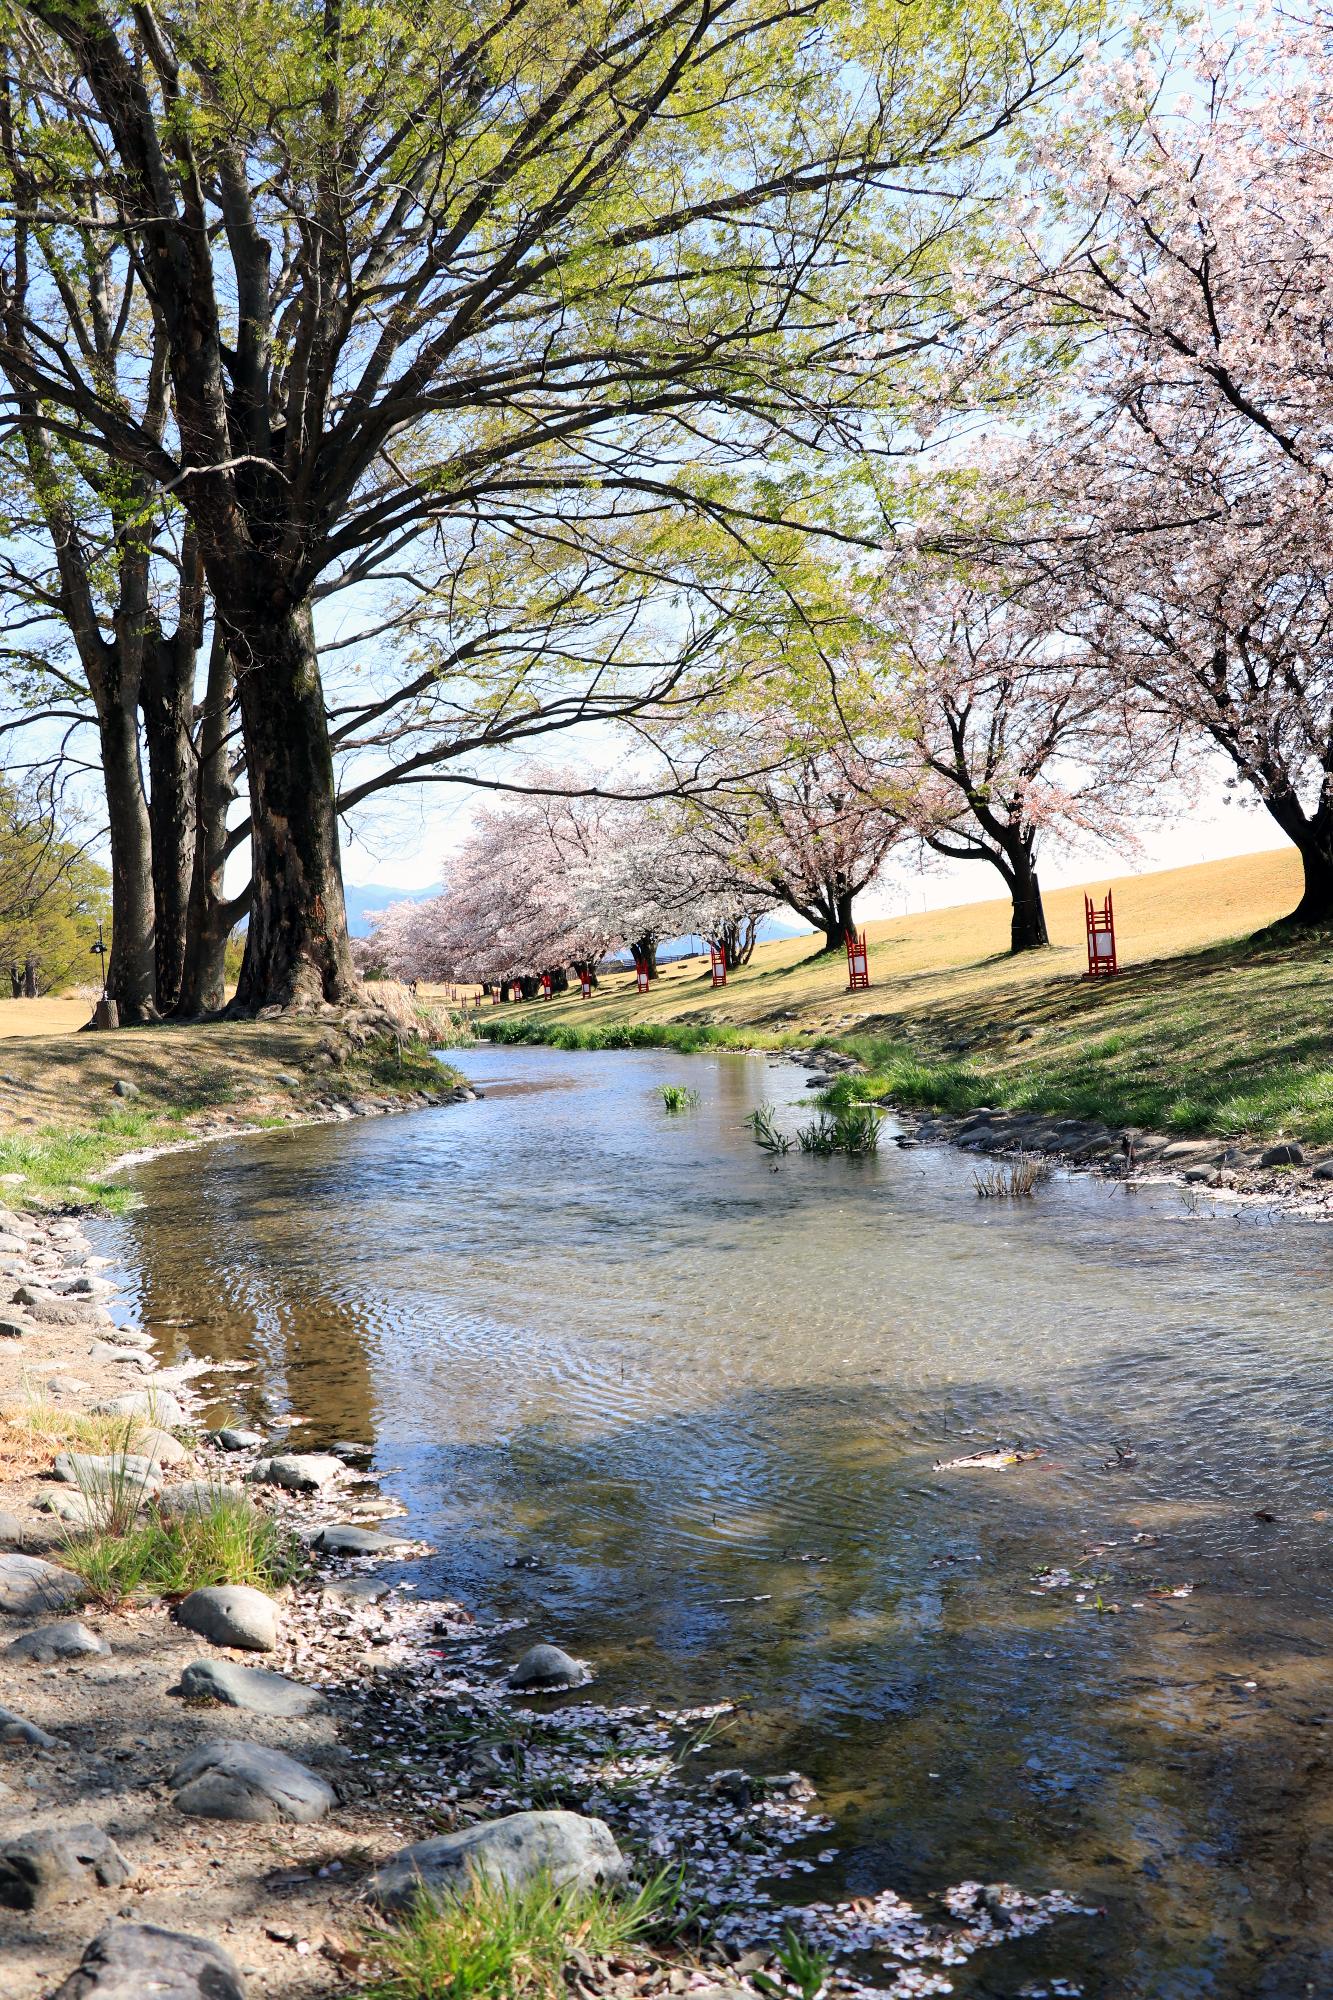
point(678, 1097)
point(853, 1129)
point(766, 1133)
point(1013, 1180)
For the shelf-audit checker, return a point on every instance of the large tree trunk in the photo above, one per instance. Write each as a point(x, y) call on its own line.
point(131, 971)
point(1311, 834)
point(296, 950)
point(167, 701)
point(211, 916)
point(1027, 924)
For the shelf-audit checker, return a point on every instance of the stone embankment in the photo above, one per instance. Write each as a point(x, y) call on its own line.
point(217, 1793)
point(1281, 1174)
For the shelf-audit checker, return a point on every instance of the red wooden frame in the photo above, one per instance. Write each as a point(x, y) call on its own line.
point(585, 985)
point(717, 965)
point(1101, 937)
point(858, 962)
point(545, 992)
point(641, 974)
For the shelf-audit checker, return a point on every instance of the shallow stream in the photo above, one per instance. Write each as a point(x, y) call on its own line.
point(681, 1404)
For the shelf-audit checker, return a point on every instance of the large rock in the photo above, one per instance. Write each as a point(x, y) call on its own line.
point(155, 1406)
point(13, 1729)
point(162, 1448)
point(48, 1309)
point(346, 1538)
point(13, 1326)
point(231, 1614)
point(197, 1496)
point(58, 1865)
point(136, 1961)
point(13, 1532)
point(69, 1639)
point(251, 1688)
point(232, 1439)
point(28, 1585)
point(548, 1667)
point(299, 1471)
point(1288, 1154)
point(92, 1472)
point(79, 1510)
point(232, 1779)
point(562, 1847)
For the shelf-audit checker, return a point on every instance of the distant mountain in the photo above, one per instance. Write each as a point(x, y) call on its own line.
point(361, 901)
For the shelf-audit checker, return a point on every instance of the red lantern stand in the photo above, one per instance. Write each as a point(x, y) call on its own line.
point(545, 993)
point(585, 985)
point(641, 974)
point(496, 996)
point(717, 965)
point(858, 962)
point(1101, 937)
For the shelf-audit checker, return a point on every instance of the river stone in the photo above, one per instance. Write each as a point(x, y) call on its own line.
point(49, 1310)
point(345, 1538)
point(86, 1287)
point(14, 1729)
point(68, 1639)
point(235, 1440)
point(299, 1471)
point(1324, 1171)
point(129, 1336)
point(80, 1510)
point(548, 1667)
point(162, 1448)
point(249, 1688)
point(232, 1779)
point(563, 1847)
point(58, 1865)
point(196, 1496)
point(60, 1386)
point(92, 1473)
point(355, 1590)
point(1288, 1154)
point(156, 1406)
point(13, 1326)
point(231, 1614)
point(124, 1088)
point(124, 1357)
point(12, 1531)
point(27, 1585)
point(141, 1962)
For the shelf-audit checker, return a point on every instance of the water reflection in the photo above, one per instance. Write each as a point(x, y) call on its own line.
point(704, 1398)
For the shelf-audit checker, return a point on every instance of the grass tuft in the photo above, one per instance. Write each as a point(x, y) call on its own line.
point(499, 1943)
point(678, 1096)
point(1014, 1179)
point(224, 1540)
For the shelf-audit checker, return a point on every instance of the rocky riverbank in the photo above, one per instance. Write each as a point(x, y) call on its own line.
point(229, 1788)
point(1276, 1174)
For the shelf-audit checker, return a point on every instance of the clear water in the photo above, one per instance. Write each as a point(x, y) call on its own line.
point(681, 1404)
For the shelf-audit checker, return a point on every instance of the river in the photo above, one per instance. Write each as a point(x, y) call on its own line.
point(681, 1404)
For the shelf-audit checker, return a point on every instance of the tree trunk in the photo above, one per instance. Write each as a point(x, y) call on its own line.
point(1311, 834)
point(210, 917)
point(297, 951)
point(131, 970)
point(1027, 925)
point(167, 700)
point(644, 952)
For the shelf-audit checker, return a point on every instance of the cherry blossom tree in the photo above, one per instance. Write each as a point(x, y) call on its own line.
point(1183, 272)
point(1020, 738)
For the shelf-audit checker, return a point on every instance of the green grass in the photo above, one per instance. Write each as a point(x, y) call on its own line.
point(512, 1944)
point(1231, 1042)
point(677, 1096)
point(225, 1540)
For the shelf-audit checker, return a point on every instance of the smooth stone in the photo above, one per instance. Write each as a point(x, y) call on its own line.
point(345, 1538)
point(196, 1496)
point(163, 1449)
point(12, 1327)
point(124, 1088)
point(136, 1961)
point(547, 1667)
point(27, 1585)
point(47, 1309)
point(92, 1473)
point(231, 1614)
point(124, 1357)
point(565, 1848)
point(1289, 1154)
point(14, 1729)
point(58, 1865)
point(355, 1590)
point(156, 1406)
point(250, 1688)
point(1199, 1176)
point(80, 1510)
point(299, 1472)
point(69, 1639)
point(232, 1779)
point(234, 1440)
point(57, 1386)
point(129, 1336)
point(12, 1531)
point(1324, 1171)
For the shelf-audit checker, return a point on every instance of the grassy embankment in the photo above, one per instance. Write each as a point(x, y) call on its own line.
point(62, 1123)
point(1202, 1031)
